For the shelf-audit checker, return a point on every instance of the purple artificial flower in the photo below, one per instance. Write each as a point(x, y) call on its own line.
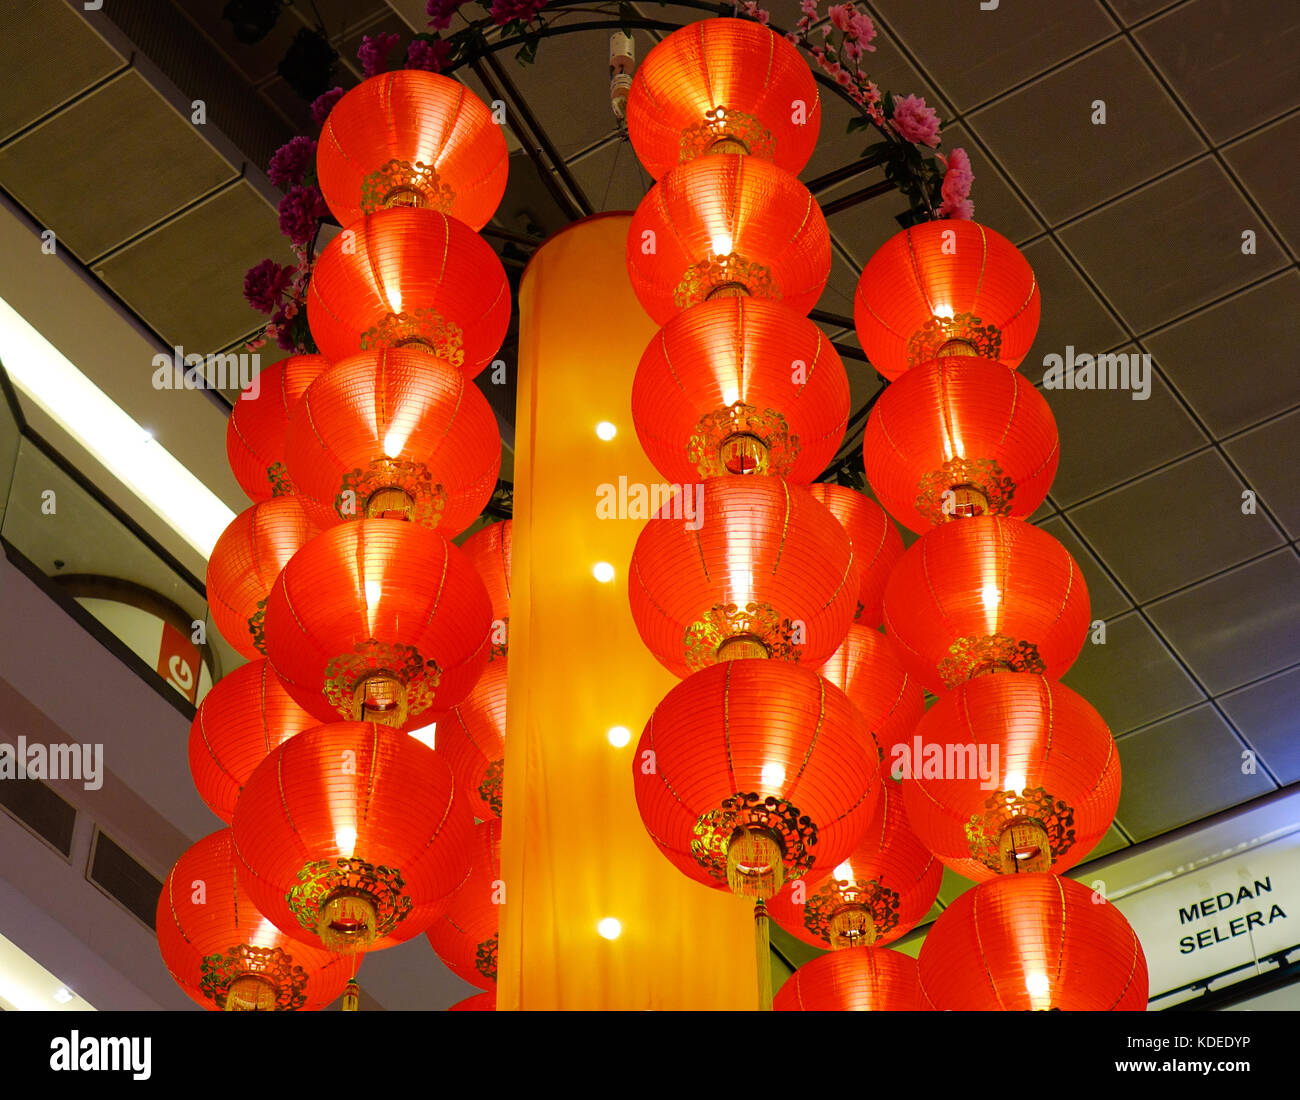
point(440, 13)
point(291, 162)
point(301, 212)
point(429, 56)
point(324, 104)
point(265, 284)
point(915, 122)
point(374, 52)
point(503, 11)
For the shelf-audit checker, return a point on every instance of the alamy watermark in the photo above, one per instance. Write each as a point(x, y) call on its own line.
point(635, 500)
point(222, 371)
point(36, 761)
point(945, 761)
point(1108, 371)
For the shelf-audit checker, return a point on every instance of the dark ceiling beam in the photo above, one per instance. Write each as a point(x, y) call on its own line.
point(847, 171)
point(884, 187)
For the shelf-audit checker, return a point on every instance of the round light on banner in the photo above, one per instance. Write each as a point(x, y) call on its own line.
point(859, 979)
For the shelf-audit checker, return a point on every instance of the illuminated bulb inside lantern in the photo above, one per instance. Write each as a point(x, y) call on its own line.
point(346, 839)
point(266, 935)
point(990, 594)
point(394, 441)
point(606, 431)
point(773, 775)
point(619, 736)
point(610, 928)
point(730, 393)
point(844, 872)
point(395, 299)
point(425, 734)
point(943, 311)
point(603, 572)
point(1015, 782)
point(721, 244)
point(1039, 989)
point(373, 591)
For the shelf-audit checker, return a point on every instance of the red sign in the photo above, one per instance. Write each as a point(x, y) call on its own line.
point(178, 662)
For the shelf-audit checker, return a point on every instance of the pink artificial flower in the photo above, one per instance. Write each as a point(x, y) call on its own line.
point(809, 8)
point(964, 210)
point(862, 30)
point(792, 38)
point(915, 122)
point(440, 13)
point(374, 52)
point(752, 9)
point(852, 51)
point(291, 162)
point(429, 56)
point(957, 180)
point(841, 16)
point(844, 78)
point(324, 104)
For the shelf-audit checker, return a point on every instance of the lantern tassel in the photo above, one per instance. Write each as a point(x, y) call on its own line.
point(763, 955)
point(352, 997)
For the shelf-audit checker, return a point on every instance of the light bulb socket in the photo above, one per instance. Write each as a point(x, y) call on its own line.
point(851, 926)
point(380, 697)
point(755, 863)
point(348, 920)
point(1024, 846)
point(251, 993)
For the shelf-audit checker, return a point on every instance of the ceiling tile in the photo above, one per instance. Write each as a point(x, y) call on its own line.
point(1235, 65)
point(1235, 362)
point(1174, 527)
point(1265, 714)
point(1072, 314)
point(1269, 457)
point(1255, 160)
point(612, 178)
point(1112, 841)
point(1239, 626)
point(1134, 11)
point(1172, 246)
point(1106, 600)
point(1180, 770)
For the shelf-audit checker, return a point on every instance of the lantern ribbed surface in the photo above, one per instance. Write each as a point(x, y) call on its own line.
point(239, 723)
point(258, 425)
point(402, 420)
point(465, 936)
point(378, 594)
point(737, 370)
point(746, 743)
point(211, 934)
point(763, 561)
point(1055, 758)
point(471, 738)
point(877, 546)
point(984, 593)
point(724, 222)
point(347, 800)
point(1032, 941)
point(412, 138)
point(480, 1002)
point(954, 426)
point(753, 74)
point(857, 979)
point(941, 281)
point(489, 549)
point(247, 559)
point(398, 277)
point(890, 876)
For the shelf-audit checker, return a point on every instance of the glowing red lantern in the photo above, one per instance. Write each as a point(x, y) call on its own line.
point(472, 739)
point(723, 86)
point(857, 979)
point(240, 722)
point(960, 437)
point(396, 434)
point(760, 570)
point(1032, 942)
point(410, 278)
point(412, 138)
point(738, 386)
point(489, 549)
point(247, 559)
point(1052, 785)
point(255, 432)
point(947, 287)
point(378, 620)
point(876, 545)
point(982, 594)
point(751, 773)
point(727, 226)
point(224, 953)
point(352, 836)
point(480, 1002)
point(465, 936)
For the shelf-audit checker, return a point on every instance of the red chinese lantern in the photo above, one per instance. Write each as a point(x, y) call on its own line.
point(857, 979)
point(1032, 942)
point(240, 722)
point(471, 738)
point(761, 570)
point(1052, 785)
point(480, 1002)
point(982, 594)
point(465, 936)
point(410, 278)
point(751, 773)
point(723, 86)
point(247, 559)
point(960, 437)
point(876, 545)
point(224, 953)
point(489, 549)
point(255, 432)
point(738, 386)
point(948, 287)
point(396, 434)
point(378, 620)
point(725, 227)
point(352, 836)
point(412, 138)
point(882, 890)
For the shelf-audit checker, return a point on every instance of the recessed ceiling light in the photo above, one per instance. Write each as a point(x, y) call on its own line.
point(63, 994)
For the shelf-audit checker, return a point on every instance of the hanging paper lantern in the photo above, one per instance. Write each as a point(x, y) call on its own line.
point(947, 287)
point(410, 278)
point(379, 620)
point(857, 979)
point(881, 891)
point(723, 86)
point(876, 545)
point(480, 1002)
point(396, 434)
point(412, 138)
point(727, 226)
point(224, 953)
point(352, 836)
point(759, 570)
point(1032, 942)
point(465, 936)
point(471, 738)
point(751, 773)
point(1052, 785)
point(247, 559)
point(489, 549)
point(960, 437)
point(982, 594)
point(240, 722)
point(256, 430)
point(738, 386)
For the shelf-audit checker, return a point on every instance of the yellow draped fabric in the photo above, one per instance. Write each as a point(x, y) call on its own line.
point(574, 851)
